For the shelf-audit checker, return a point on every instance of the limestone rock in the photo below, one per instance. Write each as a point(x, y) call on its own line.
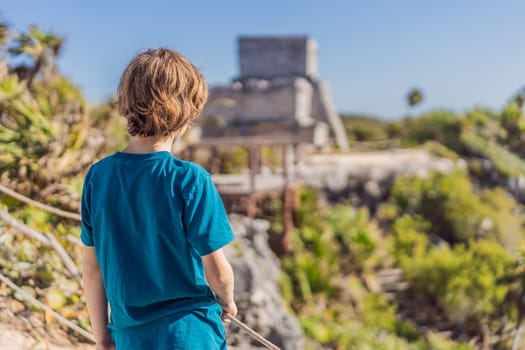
point(367, 176)
point(257, 270)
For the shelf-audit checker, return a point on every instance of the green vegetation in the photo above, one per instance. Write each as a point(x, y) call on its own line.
point(457, 214)
point(463, 280)
point(457, 239)
point(507, 163)
point(364, 128)
point(330, 282)
point(455, 248)
point(47, 133)
point(48, 138)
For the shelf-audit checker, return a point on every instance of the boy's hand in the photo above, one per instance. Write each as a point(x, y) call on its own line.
point(230, 309)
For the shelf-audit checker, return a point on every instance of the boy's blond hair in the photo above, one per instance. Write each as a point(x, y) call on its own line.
point(160, 92)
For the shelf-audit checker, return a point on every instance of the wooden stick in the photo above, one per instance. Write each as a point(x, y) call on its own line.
point(267, 344)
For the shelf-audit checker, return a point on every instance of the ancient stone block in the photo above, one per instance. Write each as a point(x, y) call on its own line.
point(269, 57)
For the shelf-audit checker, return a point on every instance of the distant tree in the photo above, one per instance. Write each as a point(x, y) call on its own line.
point(414, 97)
point(42, 48)
point(519, 98)
point(3, 32)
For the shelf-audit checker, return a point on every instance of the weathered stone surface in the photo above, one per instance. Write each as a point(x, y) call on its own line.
point(324, 108)
point(335, 171)
point(268, 57)
point(257, 270)
point(365, 178)
point(259, 100)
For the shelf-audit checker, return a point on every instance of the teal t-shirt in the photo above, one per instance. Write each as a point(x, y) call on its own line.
point(150, 218)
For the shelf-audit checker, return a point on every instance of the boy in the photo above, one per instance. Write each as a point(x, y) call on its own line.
point(154, 226)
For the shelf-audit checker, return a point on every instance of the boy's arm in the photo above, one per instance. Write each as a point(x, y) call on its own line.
point(219, 275)
point(96, 299)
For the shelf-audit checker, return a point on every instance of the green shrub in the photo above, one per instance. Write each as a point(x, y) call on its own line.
point(440, 150)
point(485, 123)
point(506, 163)
point(233, 160)
point(353, 335)
point(500, 221)
point(377, 312)
point(333, 246)
point(463, 280)
point(310, 275)
point(455, 212)
point(511, 121)
point(446, 201)
point(363, 128)
point(438, 342)
point(351, 229)
point(409, 239)
point(441, 126)
point(350, 334)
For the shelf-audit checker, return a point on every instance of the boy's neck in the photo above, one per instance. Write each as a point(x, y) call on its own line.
point(140, 144)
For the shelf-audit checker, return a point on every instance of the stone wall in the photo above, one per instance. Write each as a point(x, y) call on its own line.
point(285, 100)
point(270, 57)
point(277, 92)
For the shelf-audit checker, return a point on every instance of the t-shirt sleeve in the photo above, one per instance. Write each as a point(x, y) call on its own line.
point(205, 219)
point(86, 234)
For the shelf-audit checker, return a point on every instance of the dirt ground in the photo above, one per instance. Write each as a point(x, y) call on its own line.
point(23, 329)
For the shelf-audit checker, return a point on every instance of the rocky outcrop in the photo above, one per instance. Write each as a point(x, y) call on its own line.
point(257, 270)
point(365, 178)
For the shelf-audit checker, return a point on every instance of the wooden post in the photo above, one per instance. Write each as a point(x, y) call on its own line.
point(251, 201)
point(286, 173)
point(290, 208)
point(253, 159)
point(251, 206)
point(288, 163)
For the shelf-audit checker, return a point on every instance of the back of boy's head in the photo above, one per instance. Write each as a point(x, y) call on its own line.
point(160, 93)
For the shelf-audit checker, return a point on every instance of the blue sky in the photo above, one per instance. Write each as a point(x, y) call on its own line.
point(371, 52)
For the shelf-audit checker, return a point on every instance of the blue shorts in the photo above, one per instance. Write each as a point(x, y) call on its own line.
point(195, 330)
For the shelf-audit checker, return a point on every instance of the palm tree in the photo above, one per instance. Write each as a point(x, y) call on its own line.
point(414, 97)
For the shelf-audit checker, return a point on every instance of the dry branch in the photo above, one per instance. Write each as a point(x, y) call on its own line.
point(46, 239)
point(48, 208)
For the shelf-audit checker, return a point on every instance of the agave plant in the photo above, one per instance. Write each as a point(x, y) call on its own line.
point(47, 130)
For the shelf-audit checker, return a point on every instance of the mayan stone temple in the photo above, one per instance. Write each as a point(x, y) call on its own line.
point(277, 95)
